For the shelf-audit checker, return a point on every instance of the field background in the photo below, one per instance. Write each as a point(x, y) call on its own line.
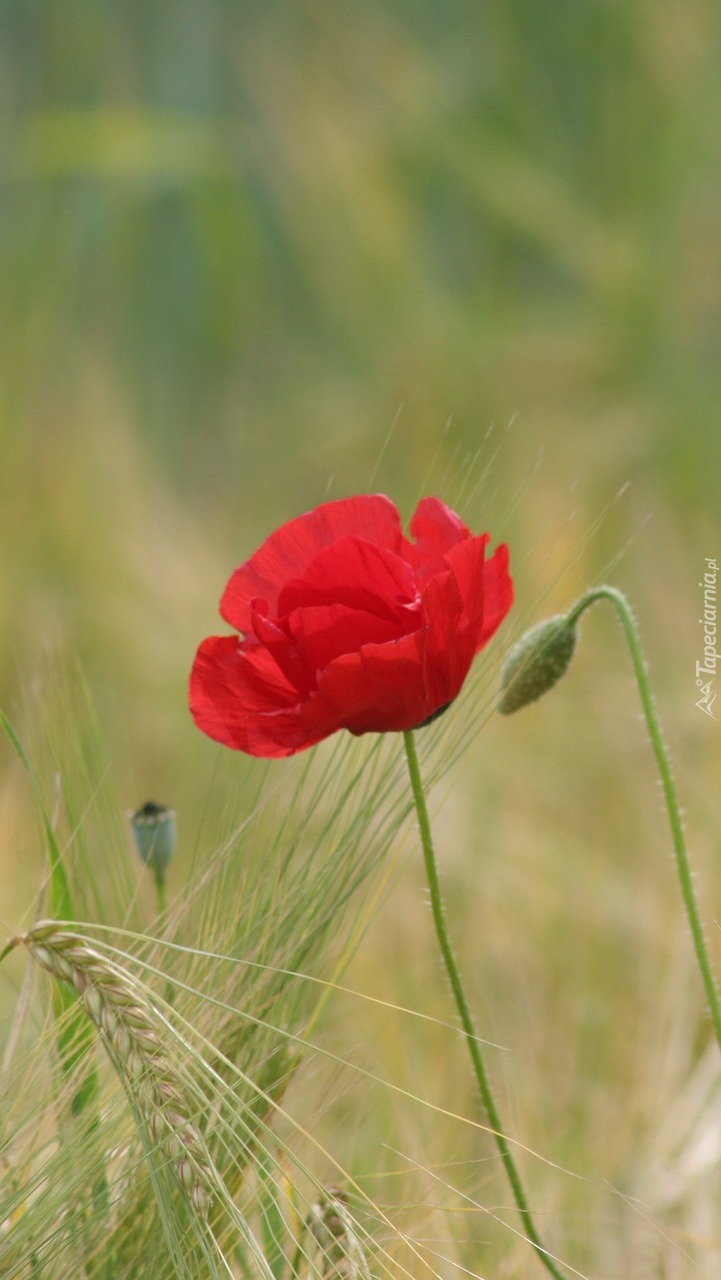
point(255, 256)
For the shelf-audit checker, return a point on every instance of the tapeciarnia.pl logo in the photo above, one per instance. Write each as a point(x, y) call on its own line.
point(710, 656)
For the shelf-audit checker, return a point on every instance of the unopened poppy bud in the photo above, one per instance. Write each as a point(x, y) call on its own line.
point(154, 832)
point(536, 663)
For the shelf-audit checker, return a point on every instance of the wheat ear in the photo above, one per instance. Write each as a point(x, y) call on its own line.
point(129, 1028)
point(333, 1230)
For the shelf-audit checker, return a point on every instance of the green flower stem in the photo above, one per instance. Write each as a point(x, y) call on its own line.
point(623, 608)
point(160, 894)
point(472, 1041)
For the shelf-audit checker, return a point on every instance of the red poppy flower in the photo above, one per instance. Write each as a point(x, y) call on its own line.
point(348, 625)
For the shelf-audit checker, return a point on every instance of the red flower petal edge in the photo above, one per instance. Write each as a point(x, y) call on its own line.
point(347, 624)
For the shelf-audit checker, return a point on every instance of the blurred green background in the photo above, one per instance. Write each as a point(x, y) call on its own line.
point(252, 256)
point(238, 241)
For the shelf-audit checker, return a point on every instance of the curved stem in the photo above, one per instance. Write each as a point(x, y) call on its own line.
point(471, 1037)
point(623, 608)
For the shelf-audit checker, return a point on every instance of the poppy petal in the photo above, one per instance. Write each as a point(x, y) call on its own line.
point(239, 697)
point(355, 574)
point(468, 564)
point(288, 552)
point(379, 688)
point(448, 643)
point(325, 632)
point(283, 648)
point(497, 594)
point(436, 529)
